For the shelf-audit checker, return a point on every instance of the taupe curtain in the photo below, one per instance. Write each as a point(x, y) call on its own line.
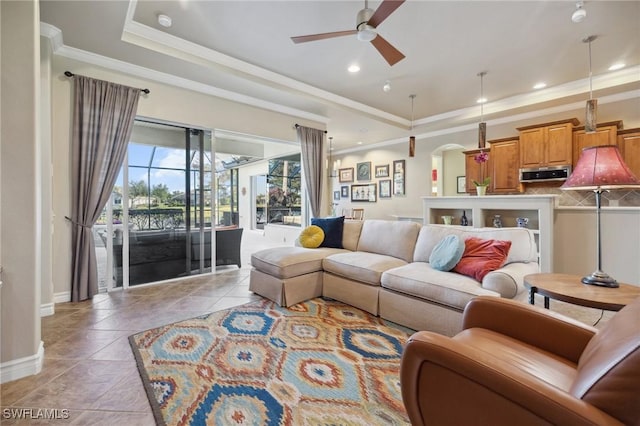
point(102, 122)
point(312, 144)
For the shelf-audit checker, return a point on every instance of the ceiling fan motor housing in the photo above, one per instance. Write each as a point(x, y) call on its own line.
point(365, 31)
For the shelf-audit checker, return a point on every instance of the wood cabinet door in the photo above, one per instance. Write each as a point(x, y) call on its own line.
point(505, 158)
point(558, 144)
point(473, 171)
point(629, 145)
point(532, 147)
point(606, 135)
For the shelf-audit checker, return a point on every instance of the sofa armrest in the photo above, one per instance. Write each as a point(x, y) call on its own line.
point(539, 327)
point(446, 382)
point(508, 280)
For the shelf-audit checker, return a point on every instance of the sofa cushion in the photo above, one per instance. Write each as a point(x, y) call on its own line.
point(351, 234)
point(420, 280)
point(523, 245)
point(311, 237)
point(447, 253)
point(287, 262)
point(391, 238)
point(482, 256)
point(332, 227)
point(360, 266)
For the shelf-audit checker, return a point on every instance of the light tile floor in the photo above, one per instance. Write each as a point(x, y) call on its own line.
point(89, 368)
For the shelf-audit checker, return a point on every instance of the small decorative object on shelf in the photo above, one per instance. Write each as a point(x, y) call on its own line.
point(481, 190)
point(497, 222)
point(463, 219)
point(447, 219)
point(522, 222)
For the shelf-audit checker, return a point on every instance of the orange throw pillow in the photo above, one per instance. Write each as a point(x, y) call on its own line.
point(481, 257)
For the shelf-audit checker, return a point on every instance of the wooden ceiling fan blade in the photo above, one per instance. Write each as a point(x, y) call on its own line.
point(383, 11)
point(314, 37)
point(388, 52)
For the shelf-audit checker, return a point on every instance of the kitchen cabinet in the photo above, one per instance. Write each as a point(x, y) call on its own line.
point(475, 171)
point(505, 158)
point(629, 145)
point(548, 144)
point(605, 134)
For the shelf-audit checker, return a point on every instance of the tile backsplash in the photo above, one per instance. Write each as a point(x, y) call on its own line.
point(624, 198)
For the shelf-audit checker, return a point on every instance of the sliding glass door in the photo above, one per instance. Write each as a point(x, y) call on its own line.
point(159, 217)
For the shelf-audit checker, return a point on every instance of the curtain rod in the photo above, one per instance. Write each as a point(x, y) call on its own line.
point(70, 74)
point(297, 125)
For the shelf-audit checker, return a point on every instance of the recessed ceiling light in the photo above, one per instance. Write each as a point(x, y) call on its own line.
point(540, 85)
point(353, 68)
point(164, 20)
point(617, 66)
point(359, 142)
point(481, 100)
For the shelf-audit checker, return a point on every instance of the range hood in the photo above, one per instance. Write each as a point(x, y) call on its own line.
point(541, 174)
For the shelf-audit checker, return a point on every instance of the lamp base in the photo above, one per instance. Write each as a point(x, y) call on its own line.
point(601, 279)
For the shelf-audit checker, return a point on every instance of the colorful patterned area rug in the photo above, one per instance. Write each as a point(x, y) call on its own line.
point(319, 362)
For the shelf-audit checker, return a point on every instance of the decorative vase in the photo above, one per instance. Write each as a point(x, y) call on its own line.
point(497, 221)
point(463, 220)
point(481, 190)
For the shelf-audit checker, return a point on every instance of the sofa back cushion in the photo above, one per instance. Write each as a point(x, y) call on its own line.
point(523, 244)
point(351, 234)
point(609, 367)
point(391, 238)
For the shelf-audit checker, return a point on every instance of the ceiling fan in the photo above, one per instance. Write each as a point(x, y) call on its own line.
point(366, 23)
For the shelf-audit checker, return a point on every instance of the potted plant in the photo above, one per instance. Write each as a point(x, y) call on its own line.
point(481, 187)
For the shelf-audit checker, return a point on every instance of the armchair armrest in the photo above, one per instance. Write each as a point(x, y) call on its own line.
point(446, 382)
point(538, 327)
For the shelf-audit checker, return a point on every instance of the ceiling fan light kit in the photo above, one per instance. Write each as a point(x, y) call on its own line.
point(580, 13)
point(367, 22)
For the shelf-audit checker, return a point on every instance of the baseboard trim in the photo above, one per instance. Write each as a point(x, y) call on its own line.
point(22, 367)
point(47, 309)
point(62, 297)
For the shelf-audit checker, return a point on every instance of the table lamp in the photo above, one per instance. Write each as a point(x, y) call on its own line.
point(600, 168)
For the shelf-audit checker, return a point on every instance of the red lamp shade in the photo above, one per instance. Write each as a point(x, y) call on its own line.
point(601, 167)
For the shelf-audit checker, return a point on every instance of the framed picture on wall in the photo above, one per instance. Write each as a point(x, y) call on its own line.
point(346, 175)
point(384, 190)
point(365, 192)
point(398, 177)
point(336, 195)
point(382, 171)
point(462, 184)
point(363, 171)
point(344, 191)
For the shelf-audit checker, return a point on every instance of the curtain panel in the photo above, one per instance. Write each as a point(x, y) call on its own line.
point(102, 123)
point(312, 146)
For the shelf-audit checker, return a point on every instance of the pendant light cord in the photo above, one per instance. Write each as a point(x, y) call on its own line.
point(412, 99)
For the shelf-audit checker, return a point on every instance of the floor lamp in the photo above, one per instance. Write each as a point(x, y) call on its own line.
point(600, 168)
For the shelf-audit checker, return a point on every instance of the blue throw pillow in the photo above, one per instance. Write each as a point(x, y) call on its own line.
point(447, 253)
point(332, 227)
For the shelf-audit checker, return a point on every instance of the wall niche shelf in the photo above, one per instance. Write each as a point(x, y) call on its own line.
point(480, 211)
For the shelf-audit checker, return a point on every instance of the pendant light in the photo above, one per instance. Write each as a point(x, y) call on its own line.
point(590, 125)
point(332, 170)
point(412, 139)
point(482, 127)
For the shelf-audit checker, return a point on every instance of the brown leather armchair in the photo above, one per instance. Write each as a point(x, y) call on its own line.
point(517, 364)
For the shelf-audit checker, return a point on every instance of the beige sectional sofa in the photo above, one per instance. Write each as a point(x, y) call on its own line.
point(384, 269)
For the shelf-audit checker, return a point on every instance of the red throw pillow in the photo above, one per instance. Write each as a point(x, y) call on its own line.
point(481, 257)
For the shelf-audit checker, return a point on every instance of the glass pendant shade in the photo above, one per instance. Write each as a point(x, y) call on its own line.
point(482, 135)
point(590, 125)
point(412, 146)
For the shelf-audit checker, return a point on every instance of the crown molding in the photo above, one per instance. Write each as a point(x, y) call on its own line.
point(150, 38)
point(59, 49)
point(618, 97)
